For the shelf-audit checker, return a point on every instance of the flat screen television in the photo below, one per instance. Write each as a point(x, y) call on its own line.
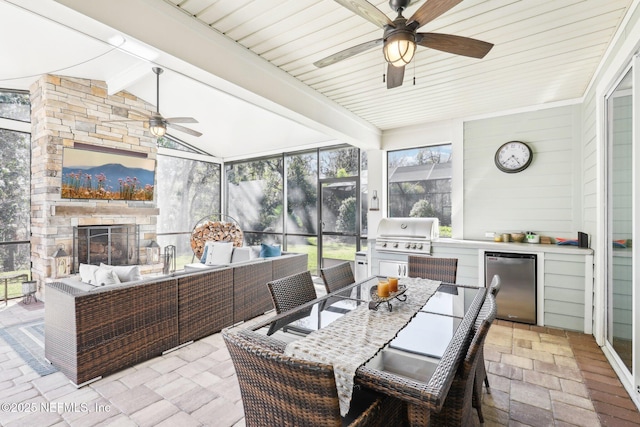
point(107, 174)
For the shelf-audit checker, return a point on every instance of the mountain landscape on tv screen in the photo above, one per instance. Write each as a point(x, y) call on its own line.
point(109, 181)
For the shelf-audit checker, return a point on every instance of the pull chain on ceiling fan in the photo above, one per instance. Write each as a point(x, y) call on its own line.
point(157, 123)
point(400, 36)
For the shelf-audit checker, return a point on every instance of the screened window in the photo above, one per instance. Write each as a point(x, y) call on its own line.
point(339, 162)
point(419, 184)
point(300, 200)
point(187, 191)
point(15, 105)
point(365, 196)
point(302, 193)
point(15, 183)
point(255, 198)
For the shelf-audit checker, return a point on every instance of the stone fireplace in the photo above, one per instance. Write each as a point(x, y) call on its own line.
point(67, 111)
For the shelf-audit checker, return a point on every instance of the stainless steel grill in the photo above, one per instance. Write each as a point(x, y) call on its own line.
point(407, 235)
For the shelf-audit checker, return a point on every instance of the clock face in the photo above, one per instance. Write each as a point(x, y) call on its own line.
point(514, 156)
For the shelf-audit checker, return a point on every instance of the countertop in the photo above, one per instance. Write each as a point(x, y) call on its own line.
point(511, 247)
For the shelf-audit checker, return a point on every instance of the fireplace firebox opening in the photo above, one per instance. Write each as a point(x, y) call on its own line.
point(107, 244)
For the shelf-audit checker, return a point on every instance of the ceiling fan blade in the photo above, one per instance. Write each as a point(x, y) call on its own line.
point(395, 76)
point(184, 129)
point(348, 53)
point(181, 120)
point(367, 11)
point(454, 44)
point(429, 11)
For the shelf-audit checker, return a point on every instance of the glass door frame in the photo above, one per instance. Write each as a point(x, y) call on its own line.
point(321, 233)
point(632, 376)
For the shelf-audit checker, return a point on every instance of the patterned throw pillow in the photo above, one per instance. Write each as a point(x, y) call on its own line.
point(106, 276)
point(219, 253)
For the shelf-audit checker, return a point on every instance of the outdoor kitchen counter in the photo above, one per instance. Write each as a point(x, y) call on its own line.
point(510, 247)
point(564, 295)
point(564, 292)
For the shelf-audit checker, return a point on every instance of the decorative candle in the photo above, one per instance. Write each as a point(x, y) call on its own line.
point(393, 284)
point(383, 289)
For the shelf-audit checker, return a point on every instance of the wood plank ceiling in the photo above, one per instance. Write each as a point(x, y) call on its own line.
point(545, 51)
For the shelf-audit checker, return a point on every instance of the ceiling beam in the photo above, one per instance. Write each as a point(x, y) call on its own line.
point(127, 77)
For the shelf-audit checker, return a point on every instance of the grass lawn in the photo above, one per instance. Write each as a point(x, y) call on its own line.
point(13, 283)
point(333, 250)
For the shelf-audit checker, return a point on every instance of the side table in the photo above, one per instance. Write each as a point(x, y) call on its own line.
point(29, 289)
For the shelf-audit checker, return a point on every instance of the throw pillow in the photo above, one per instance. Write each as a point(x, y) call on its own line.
point(205, 251)
point(269, 251)
point(220, 253)
point(241, 254)
point(126, 273)
point(255, 251)
point(87, 273)
point(203, 258)
point(106, 276)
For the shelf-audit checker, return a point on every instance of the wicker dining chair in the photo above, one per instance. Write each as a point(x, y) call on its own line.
point(278, 390)
point(428, 267)
point(458, 405)
point(292, 291)
point(481, 371)
point(337, 276)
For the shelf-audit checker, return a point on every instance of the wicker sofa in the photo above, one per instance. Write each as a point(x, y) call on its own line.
point(90, 334)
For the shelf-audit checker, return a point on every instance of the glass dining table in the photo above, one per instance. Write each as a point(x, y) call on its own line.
point(408, 345)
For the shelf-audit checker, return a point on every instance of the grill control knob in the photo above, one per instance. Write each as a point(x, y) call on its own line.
point(413, 246)
point(395, 245)
point(419, 245)
point(384, 245)
point(407, 245)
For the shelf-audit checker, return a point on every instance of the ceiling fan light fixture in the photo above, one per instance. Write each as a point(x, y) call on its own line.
point(399, 48)
point(158, 131)
point(157, 127)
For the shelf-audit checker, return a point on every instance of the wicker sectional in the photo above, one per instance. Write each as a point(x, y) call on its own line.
point(92, 334)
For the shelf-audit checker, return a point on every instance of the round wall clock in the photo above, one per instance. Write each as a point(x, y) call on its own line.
point(513, 156)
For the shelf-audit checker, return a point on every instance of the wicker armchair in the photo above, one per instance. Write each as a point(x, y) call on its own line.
point(279, 390)
point(481, 371)
point(428, 267)
point(292, 291)
point(337, 277)
point(458, 406)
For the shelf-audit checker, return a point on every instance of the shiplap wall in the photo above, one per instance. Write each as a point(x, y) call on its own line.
point(564, 288)
point(544, 198)
point(467, 273)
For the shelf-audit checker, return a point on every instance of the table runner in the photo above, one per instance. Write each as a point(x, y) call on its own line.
point(356, 337)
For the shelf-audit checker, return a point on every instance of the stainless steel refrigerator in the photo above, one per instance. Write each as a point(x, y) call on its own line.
point(516, 299)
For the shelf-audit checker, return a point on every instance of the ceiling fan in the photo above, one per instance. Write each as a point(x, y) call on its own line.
point(158, 124)
point(400, 37)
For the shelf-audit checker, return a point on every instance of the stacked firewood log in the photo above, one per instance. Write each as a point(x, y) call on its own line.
point(220, 231)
